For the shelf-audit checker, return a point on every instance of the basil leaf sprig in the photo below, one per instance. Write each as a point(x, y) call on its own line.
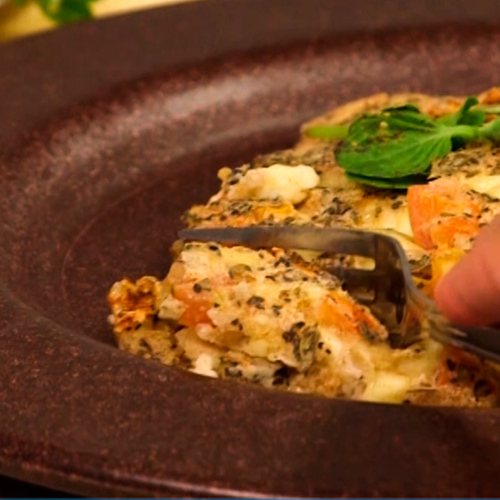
point(394, 149)
point(63, 11)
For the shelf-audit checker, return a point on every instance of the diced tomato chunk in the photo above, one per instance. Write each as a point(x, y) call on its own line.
point(441, 203)
point(348, 317)
point(492, 96)
point(197, 304)
point(337, 312)
point(444, 233)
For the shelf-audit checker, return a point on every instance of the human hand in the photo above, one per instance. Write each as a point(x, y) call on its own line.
point(470, 293)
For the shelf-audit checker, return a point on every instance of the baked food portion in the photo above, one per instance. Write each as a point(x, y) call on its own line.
point(266, 317)
point(278, 318)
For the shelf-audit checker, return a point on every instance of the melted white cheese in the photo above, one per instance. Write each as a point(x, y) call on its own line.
point(377, 213)
point(278, 182)
point(204, 366)
point(487, 184)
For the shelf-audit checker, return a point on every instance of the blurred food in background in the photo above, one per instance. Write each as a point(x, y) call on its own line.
point(23, 17)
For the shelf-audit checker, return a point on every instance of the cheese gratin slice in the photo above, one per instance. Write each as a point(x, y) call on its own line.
point(278, 318)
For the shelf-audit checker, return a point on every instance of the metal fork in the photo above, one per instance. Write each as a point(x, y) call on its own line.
point(388, 289)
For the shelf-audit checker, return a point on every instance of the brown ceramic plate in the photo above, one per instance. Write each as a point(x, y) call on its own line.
point(108, 131)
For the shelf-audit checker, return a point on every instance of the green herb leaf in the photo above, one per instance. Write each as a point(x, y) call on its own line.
point(474, 118)
point(402, 142)
point(491, 130)
point(492, 109)
point(396, 183)
point(409, 154)
point(464, 116)
point(63, 11)
point(404, 107)
point(327, 132)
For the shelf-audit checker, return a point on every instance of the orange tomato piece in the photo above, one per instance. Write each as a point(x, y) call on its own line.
point(347, 316)
point(337, 312)
point(197, 304)
point(431, 204)
point(492, 96)
point(443, 233)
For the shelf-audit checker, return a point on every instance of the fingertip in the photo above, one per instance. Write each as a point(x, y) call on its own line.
point(470, 293)
point(450, 302)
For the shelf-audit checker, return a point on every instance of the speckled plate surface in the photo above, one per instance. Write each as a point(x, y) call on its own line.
point(108, 132)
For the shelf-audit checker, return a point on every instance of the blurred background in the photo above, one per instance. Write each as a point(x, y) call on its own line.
point(25, 17)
